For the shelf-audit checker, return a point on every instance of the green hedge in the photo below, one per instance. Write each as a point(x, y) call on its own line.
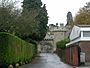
point(14, 49)
point(62, 44)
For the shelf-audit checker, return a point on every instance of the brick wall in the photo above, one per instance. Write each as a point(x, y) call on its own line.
point(72, 56)
point(72, 52)
point(85, 47)
point(67, 55)
point(75, 57)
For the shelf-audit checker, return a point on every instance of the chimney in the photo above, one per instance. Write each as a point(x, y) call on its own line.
point(57, 25)
point(61, 25)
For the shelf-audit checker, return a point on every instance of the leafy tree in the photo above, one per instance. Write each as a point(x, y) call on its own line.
point(26, 25)
point(6, 20)
point(8, 16)
point(31, 4)
point(43, 21)
point(30, 24)
point(83, 16)
point(35, 17)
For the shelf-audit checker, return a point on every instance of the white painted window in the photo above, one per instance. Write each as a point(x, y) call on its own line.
point(86, 33)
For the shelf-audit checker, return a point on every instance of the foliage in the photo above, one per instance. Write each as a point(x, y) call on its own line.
point(14, 50)
point(42, 19)
point(35, 19)
point(8, 16)
point(26, 24)
point(83, 16)
point(29, 4)
point(5, 19)
point(62, 44)
point(30, 24)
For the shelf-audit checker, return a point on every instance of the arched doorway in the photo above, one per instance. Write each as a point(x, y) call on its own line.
point(47, 47)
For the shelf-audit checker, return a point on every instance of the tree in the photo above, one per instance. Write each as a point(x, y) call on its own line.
point(31, 4)
point(8, 16)
point(5, 16)
point(29, 24)
point(83, 16)
point(26, 25)
point(35, 19)
point(43, 21)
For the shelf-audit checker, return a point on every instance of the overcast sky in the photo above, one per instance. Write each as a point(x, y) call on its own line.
point(58, 9)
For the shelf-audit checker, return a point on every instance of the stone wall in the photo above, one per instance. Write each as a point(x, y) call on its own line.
point(55, 34)
point(59, 35)
point(45, 45)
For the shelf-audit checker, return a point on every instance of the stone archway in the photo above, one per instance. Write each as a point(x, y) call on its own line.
point(47, 47)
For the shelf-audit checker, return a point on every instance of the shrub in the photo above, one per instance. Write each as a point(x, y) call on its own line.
point(14, 49)
point(62, 44)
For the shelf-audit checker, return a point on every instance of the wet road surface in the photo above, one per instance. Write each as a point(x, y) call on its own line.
point(46, 60)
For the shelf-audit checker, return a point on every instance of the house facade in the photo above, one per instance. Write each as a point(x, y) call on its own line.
point(78, 50)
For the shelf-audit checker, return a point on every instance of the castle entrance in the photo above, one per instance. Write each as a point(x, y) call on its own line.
point(47, 48)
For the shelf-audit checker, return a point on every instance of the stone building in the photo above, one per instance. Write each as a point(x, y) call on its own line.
point(54, 34)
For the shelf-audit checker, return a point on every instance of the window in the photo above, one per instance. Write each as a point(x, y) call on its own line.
point(86, 33)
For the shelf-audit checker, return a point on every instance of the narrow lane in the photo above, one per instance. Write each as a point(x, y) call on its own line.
point(46, 60)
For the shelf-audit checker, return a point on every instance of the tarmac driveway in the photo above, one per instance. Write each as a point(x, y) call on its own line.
point(47, 60)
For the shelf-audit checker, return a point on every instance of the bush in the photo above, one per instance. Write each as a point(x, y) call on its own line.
point(14, 49)
point(62, 44)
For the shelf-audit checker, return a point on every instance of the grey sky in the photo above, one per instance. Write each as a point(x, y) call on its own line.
point(57, 9)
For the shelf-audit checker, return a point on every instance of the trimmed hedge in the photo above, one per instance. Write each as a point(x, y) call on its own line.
point(14, 50)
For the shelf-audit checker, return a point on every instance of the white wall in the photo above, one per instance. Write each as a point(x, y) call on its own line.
point(75, 33)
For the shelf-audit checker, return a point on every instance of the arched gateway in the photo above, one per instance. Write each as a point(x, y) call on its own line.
point(46, 46)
